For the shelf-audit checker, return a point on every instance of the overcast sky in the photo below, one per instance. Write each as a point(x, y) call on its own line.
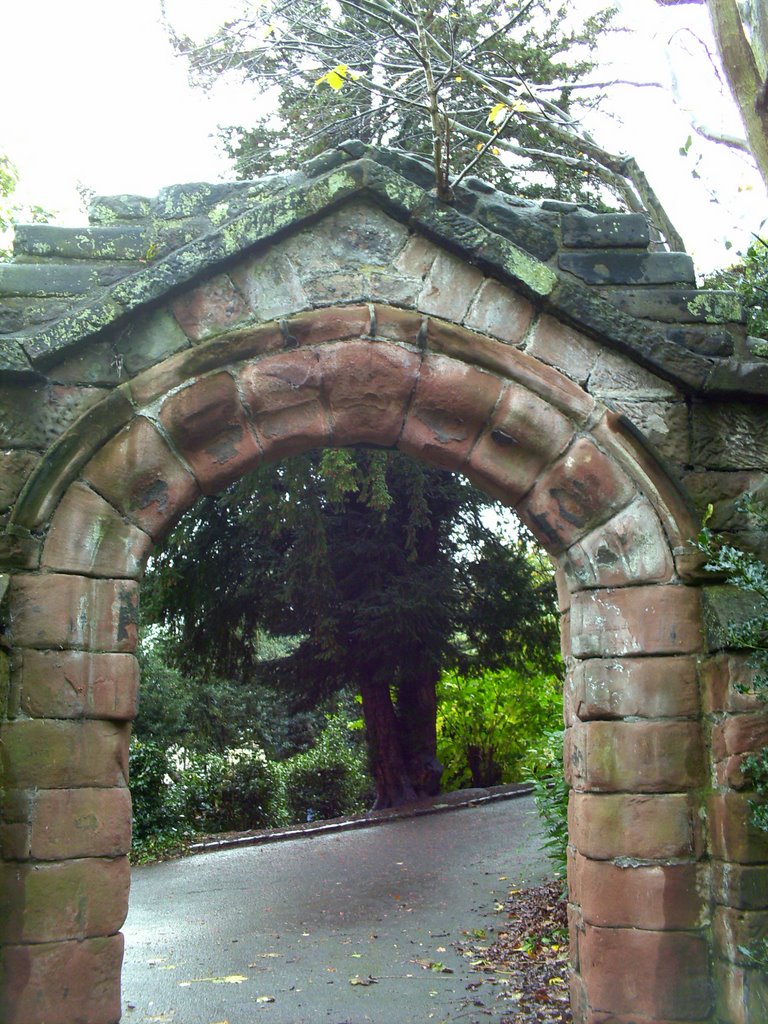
point(92, 93)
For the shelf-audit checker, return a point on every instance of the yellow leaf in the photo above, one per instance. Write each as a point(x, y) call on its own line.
point(336, 77)
point(556, 981)
point(519, 107)
point(479, 146)
point(458, 78)
point(498, 113)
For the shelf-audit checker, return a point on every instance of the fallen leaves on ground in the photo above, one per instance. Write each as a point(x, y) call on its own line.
point(524, 969)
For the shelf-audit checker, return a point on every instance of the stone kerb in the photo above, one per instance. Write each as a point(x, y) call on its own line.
point(343, 375)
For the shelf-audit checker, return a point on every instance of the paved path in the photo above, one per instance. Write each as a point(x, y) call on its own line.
point(274, 933)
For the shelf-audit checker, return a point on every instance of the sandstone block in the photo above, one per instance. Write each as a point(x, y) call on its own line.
point(284, 396)
point(78, 684)
point(642, 620)
point(449, 287)
point(393, 324)
point(206, 422)
point(742, 994)
point(735, 930)
point(583, 488)
point(88, 536)
point(732, 837)
point(367, 389)
point(500, 312)
point(336, 323)
point(739, 734)
point(655, 898)
point(664, 424)
point(630, 548)
point(209, 309)
point(522, 436)
point(743, 886)
point(647, 974)
point(54, 611)
point(15, 467)
point(271, 285)
point(417, 257)
point(451, 404)
point(52, 754)
point(69, 823)
point(636, 688)
point(726, 682)
point(564, 348)
point(730, 436)
point(138, 473)
point(149, 339)
point(62, 982)
point(69, 899)
point(656, 827)
point(640, 757)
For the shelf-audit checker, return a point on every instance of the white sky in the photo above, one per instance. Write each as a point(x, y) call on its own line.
point(91, 92)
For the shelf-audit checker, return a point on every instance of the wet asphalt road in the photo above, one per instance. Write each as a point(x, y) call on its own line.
point(276, 933)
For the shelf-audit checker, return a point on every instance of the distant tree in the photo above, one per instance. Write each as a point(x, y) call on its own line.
point(366, 561)
point(11, 210)
point(492, 83)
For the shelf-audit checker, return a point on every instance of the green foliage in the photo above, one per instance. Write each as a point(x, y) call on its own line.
point(331, 778)
point(158, 824)
point(755, 771)
point(750, 574)
point(361, 69)
point(11, 210)
point(749, 278)
point(543, 766)
point(487, 721)
point(234, 791)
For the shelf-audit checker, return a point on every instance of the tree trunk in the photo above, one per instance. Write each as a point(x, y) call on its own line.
point(393, 784)
point(417, 712)
point(744, 77)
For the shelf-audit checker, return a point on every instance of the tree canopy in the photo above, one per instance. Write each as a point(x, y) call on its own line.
point(496, 84)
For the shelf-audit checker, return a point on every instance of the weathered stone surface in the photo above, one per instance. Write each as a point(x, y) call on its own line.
point(451, 405)
point(732, 837)
point(744, 886)
point(653, 976)
point(211, 308)
point(730, 436)
point(38, 279)
point(69, 823)
point(79, 684)
point(635, 688)
point(608, 267)
point(679, 305)
point(110, 243)
point(740, 734)
point(582, 489)
point(60, 611)
point(498, 311)
point(73, 899)
point(606, 826)
point(358, 235)
point(88, 536)
point(417, 257)
point(643, 620)
point(522, 436)
point(741, 993)
point(270, 285)
point(449, 288)
point(16, 466)
point(558, 345)
point(206, 422)
point(52, 754)
point(630, 548)
point(138, 474)
point(736, 930)
point(148, 339)
point(725, 607)
point(61, 982)
point(665, 425)
point(283, 393)
point(727, 684)
point(617, 376)
point(657, 898)
point(597, 231)
point(334, 324)
point(531, 230)
point(35, 416)
point(637, 757)
point(367, 390)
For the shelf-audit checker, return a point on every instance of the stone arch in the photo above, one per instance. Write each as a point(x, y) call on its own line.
point(372, 374)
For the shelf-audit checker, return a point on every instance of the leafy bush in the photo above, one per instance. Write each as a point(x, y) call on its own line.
point(543, 766)
point(330, 779)
point(158, 821)
point(749, 278)
point(234, 791)
point(488, 720)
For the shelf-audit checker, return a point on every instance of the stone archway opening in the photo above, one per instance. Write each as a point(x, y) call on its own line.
point(522, 431)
